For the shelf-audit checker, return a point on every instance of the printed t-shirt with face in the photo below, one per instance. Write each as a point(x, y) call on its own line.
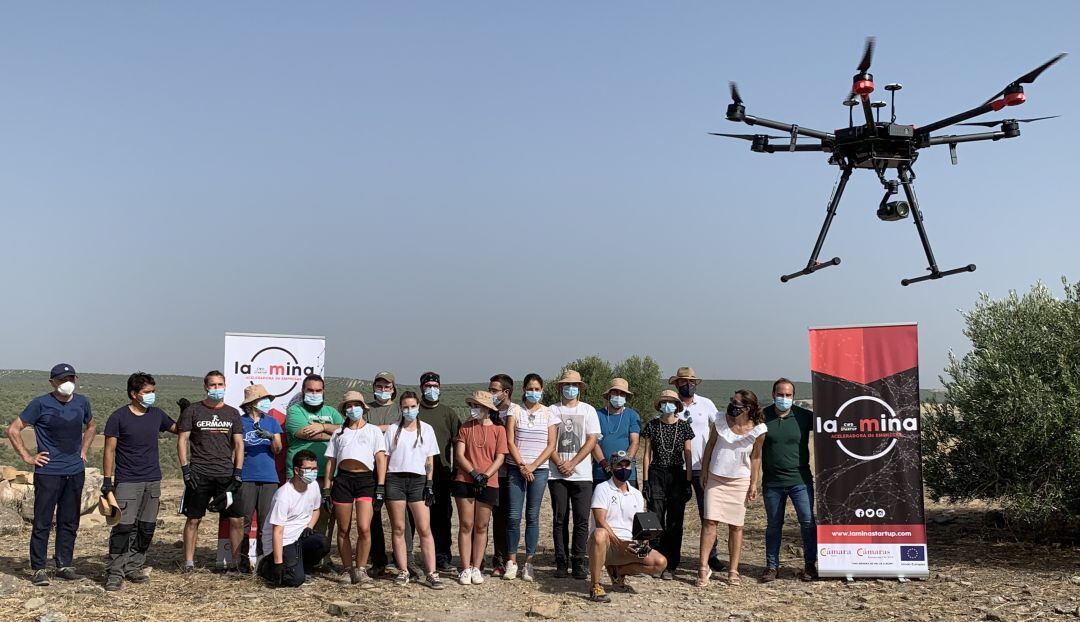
point(360, 444)
point(531, 433)
point(292, 510)
point(137, 443)
point(482, 444)
point(621, 507)
point(58, 429)
point(575, 426)
point(260, 465)
point(410, 452)
point(298, 416)
point(211, 437)
point(700, 415)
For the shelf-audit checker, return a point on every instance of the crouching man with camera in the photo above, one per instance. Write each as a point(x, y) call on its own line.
point(619, 530)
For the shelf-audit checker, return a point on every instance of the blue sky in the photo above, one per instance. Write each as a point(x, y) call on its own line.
point(476, 187)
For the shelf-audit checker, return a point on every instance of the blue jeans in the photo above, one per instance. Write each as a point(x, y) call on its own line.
point(531, 495)
point(802, 497)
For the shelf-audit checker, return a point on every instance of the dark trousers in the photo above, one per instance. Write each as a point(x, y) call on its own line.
point(255, 498)
point(58, 496)
point(130, 539)
point(668, 494)
point(442, 513)
point(300, 558)
point(379, 557)
point(500, 521)
point(564, 496)
point(699, 495)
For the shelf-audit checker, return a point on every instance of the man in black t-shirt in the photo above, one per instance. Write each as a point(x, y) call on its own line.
point(132, 473)
point(213, 467)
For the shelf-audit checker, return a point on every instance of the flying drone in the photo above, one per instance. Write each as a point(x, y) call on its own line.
point(880, 146)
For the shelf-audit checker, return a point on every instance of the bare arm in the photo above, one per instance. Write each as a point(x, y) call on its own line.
point(632, 450)
point(688, 454)
point(586, 449)
point(459, 457)
point(275, 444)
point(496, 465)
point(553, 436)
point(755, 468)
point(278, 539)
point(181, 447)
point(597, 453)
point(314, 432)
point(88, 438)
point(108, 461)
point(173, 428)
point(14, 434)
point(511, 440)
point(328, 476)
point(314, 519)
point(380, 468)
point(238, 451)
point(706, 457)
point(647, 460)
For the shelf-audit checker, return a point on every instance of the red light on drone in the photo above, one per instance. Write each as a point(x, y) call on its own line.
point(1014, 99)
point(863, 87)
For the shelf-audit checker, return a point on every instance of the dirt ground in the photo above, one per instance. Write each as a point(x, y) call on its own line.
point(976, 574)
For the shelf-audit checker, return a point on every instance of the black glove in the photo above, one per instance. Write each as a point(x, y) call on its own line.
point(189, 476)
point(307, 532)
point(277, 573)
point(380, 498)
point(429, 494)
point(646, 491)
point(106, 485)
point(327, 502)
point(261, 433)
point(237, 481)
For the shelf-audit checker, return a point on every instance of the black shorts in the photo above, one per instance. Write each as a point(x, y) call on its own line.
point(405, 487)
point(490, 495)
point(197, 499)
point(350, 487)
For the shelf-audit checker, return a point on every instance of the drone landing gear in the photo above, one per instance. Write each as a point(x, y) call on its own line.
point(906, 177)
point(814, 265)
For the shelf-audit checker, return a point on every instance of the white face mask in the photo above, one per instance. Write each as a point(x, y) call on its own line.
point(66, 388)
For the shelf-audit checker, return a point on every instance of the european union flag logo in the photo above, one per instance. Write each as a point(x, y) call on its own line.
point(913, 553)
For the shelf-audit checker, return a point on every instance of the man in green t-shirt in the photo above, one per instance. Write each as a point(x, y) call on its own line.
point(309, 424)
point(786, 474)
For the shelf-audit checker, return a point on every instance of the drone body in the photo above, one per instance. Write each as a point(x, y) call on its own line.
point(882, 146)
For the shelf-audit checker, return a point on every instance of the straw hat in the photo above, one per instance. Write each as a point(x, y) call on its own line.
point(570, 377)
point(108, 508)
point(684, 373)
point(481, 398)
point(619, 384)
point(353, 396)
point(667, 395)
point(254, 393)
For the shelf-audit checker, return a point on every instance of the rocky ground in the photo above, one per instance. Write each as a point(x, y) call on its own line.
point(977, 574)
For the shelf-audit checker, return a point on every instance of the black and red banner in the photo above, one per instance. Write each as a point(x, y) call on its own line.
point(868, 458)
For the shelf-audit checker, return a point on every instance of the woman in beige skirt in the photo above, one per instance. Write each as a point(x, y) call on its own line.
point(733, 456)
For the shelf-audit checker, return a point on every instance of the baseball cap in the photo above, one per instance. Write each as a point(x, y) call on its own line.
point(385, 375)
point(429, 376)
point(60, 370)
point(619, 456)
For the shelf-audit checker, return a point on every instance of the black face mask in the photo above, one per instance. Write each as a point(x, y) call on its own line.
point(687, 390)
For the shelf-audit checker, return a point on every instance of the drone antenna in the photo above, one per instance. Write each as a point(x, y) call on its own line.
point(850, 103)
point(877, 106)
point(893, 88)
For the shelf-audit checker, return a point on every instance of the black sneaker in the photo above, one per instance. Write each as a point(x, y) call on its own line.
point(445, 566)
point(416, 572)
point(68, 573)
point(809, 573)
point(114, 583)
point(41, 578)
point(579, 569)
point(561, 571)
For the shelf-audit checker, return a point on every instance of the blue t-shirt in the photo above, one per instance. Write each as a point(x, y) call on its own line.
point(259, 465)
point(58, 427)
point(615, 431)
point(137, 443)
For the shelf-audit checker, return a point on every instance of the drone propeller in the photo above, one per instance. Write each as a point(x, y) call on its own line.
point(1028, 77)
point(735, 93)
point(1000, 121)
point(746, 136)
point(867, 55)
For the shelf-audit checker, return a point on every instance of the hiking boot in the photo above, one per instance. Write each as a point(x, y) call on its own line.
point(433, 581)
point(41, 578)
point(769, 575)
point(139, 576)
point(402, 578)
point(809, 573)
point(619, 582)
point(360, 577)
point(579, 570)
point(561, 571)
point(114, 583)
point(68, 573)
point(598, 595)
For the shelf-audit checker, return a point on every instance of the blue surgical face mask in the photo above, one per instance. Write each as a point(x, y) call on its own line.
point(431, 394)
point(147, 400)
point(667, 408)
point(533, 396)
point(215, 395)
point(264, 405)
point(410, 414)
point(310, 475)
point(496, 398)
point(618, 401)
point(355, 413)
point(382, 396)
point(621, 474)
point(570, 391)
point(313, 399)
point(783, 404)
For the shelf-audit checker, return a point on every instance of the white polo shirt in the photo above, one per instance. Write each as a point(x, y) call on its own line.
point(701, 414)
point(621, 508)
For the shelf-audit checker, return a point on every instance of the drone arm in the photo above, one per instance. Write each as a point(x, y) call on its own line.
point(869, 113)
point(956, 118)
point(965, 138)
point(784, 127)
point(784, 148)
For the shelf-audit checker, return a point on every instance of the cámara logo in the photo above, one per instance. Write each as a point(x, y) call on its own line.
point(275, 368)
point(866, 425)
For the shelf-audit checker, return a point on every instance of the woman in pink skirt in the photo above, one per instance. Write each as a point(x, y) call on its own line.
point(733, 456)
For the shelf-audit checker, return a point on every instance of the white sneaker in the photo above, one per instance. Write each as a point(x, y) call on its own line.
point(511, 571)
point(465, 577)
point(527, 573)
point(477, 576)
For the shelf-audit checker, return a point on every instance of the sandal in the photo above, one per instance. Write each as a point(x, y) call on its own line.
point(703, 577)
point(734, 578)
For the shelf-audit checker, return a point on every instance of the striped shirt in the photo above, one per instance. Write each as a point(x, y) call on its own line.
point(531, 436)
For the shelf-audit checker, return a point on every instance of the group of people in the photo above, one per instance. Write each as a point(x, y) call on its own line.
point(308, 476)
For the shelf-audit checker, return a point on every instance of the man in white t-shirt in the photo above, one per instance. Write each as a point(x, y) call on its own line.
point(570, 480)
point(700, 412)
point(295, 549)
point(611, 532)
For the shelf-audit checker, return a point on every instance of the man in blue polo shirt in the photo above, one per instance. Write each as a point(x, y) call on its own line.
point(63, 429)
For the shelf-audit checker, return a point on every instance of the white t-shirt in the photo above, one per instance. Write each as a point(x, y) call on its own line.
point(292, 510)
point(410, 454)
point(731, 454)
point(361, 444)
point(531, 434)
point(621, 508)
point(575, 425)
point(701, 413)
